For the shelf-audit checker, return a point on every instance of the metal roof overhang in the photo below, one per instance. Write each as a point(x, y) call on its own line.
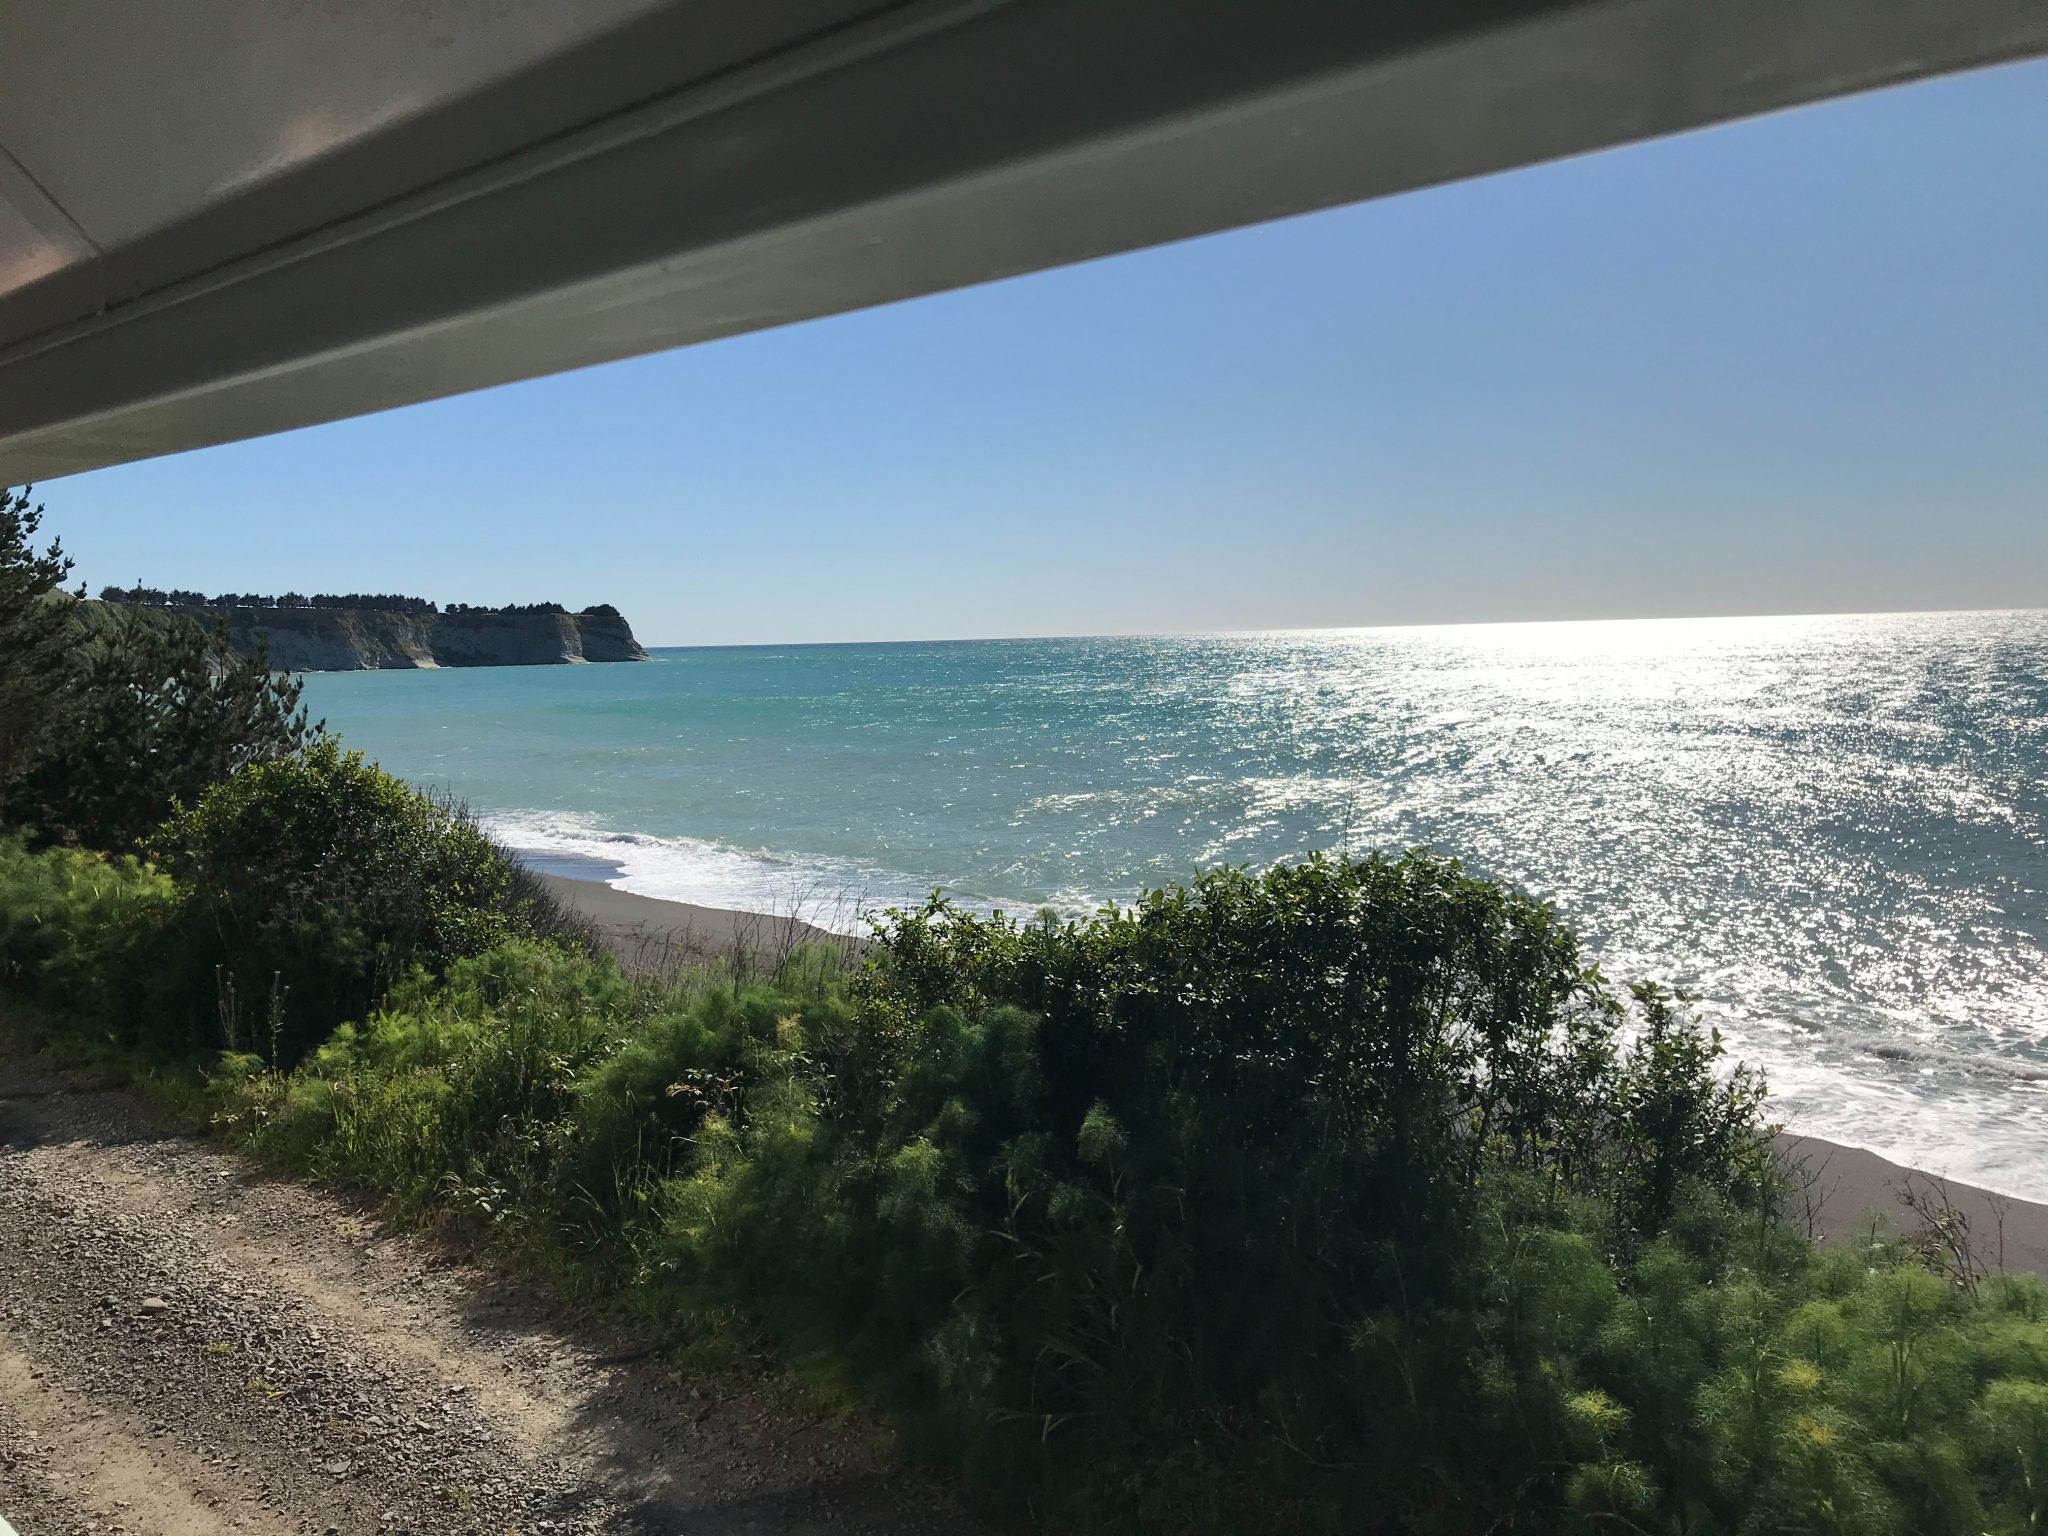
point(229, 217)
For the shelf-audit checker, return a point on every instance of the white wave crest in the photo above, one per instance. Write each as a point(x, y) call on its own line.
point(834, 896)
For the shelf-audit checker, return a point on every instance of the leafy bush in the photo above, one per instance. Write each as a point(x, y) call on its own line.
point(1099, 1203)
point(693, 1064)
point(321, 881)
point(1846, 1393)
point(453, 1095)
point(531, 1085)
point(97, 937)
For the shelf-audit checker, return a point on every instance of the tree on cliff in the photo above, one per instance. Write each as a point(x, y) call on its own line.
point(103, 727)
point(37, 634)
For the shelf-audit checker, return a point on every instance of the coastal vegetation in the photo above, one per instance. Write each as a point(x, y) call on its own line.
point(1342, 1197)
point(140, 596)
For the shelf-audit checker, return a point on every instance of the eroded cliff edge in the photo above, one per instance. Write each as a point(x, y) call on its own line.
point(370, 639)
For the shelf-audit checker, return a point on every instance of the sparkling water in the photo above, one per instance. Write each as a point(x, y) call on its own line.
point(1834, 830)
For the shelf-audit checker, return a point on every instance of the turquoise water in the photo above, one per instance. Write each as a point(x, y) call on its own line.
point(1833, 829)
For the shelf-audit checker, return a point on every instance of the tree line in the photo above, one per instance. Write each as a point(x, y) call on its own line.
point(140, 596)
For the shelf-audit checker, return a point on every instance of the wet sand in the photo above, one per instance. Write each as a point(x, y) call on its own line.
point(1848, 1186)
point(653, 935)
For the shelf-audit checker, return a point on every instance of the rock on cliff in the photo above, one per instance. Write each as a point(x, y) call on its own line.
point(370, 639)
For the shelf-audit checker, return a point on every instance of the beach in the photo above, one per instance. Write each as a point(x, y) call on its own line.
point(651, 935)
point(1844, 1187)
point(1849, 1186)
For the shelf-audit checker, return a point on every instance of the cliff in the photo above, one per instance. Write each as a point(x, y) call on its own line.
point(368, 639)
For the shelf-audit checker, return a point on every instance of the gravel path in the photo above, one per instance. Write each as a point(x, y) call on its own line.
point(188, 1349)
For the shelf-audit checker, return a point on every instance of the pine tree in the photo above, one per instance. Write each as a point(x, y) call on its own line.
point(37, 632)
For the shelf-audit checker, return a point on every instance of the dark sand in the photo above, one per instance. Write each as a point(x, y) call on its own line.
point(1846, 1187)
point(663, 936)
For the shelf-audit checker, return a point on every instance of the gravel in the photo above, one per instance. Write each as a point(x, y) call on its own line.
point(188, 1348)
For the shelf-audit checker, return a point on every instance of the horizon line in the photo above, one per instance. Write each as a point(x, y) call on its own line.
point(1334, 629)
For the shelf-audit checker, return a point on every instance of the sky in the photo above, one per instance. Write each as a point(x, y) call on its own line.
point(1795, 364)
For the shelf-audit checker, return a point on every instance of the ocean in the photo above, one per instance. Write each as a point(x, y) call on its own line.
point(1833, 830)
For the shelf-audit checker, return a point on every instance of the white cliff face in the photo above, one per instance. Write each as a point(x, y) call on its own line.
point(334, 639)
point(343, 640)
point(608, 637)
point(363, 639)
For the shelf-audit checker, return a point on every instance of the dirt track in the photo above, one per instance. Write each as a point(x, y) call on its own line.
point(186, 1349)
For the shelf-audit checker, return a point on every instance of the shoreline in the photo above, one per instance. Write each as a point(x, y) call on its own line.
point(1846, 1185)
point(650, 935)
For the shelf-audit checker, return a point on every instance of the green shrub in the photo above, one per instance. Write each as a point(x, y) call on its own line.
point(1097, 1203)
point(100, 939)
point(454, 1095)
point(320, 881)
point(530, 1083)
point(1343, 1198)
point(697, 1061)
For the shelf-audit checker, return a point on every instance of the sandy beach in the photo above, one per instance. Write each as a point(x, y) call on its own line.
point(661, 936)
point(1846, 1185)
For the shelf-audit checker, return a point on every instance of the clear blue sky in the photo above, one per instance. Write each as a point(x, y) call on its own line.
point(1796, 364)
